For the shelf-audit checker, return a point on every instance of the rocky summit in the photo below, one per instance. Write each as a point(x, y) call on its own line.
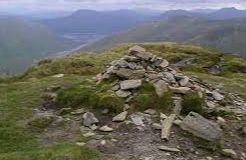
point(139, 66)
point(136, 104)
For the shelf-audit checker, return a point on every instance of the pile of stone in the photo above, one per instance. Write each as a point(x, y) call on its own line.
point(138, 66)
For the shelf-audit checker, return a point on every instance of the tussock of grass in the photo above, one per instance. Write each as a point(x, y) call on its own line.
point(146, 97)
point(58, 151)
point(192, 102)
point(38, 125)
point(17, 136)
point(111, 102)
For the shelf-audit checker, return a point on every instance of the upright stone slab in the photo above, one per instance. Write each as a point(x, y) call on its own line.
point(201, 127)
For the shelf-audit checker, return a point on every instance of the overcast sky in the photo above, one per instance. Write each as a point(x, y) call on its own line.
point(70, 5)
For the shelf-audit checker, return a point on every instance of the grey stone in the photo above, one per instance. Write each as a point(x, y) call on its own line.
point(89, 134)
point(164, 64)
point(133, 65)
point(184, 81)
point(160, 87)
point(137, 120)
point(243, 130)
point(120, 117)
point(210, 104)
point(152, 76)
point(229, 153)
point(78, 111)
point(177, 122)
point(111, 70)
point(80, 144)
point(145, 55)
point(156, 126)
point(150, 111)
point(115, 87)
point(84, 129)
point(136, 49)
point(89, 119)
point(106, 129)
point(169, 76)
point(119, 63)
point(221, 121)
point(201, 127)
point(130, 84)
point(168, 149)
point(130, 74)
point(217, 96)
point(58, 76)
point(163, 116)
point(126, 107)
point(123, 94)
point(131, 58)
point(180, 90)
point(166, 126)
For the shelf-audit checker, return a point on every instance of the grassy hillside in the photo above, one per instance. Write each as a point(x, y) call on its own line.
point(20, 139)
point(226, 35)
point(22, 42)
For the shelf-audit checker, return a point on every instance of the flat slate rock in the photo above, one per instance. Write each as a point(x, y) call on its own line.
point(201, 127)
point(130, 84)
point(120, 117)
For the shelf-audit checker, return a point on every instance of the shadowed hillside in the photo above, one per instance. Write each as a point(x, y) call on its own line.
point(22, 41)
point(224, 35)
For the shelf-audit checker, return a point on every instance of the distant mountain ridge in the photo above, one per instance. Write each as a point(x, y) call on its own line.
point(96, 21)
point(22, 41)
point(221, 14)
point(225, 35)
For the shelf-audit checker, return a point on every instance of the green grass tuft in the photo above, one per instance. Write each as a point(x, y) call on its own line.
point(38, 125)
point(192, 102)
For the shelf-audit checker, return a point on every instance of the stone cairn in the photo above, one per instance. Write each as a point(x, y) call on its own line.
point(138, 66)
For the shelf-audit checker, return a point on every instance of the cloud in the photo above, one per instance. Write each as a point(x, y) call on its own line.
point(69, 5)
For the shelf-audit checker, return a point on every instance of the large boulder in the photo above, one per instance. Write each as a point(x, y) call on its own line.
point(201, 127)
point(130, 84)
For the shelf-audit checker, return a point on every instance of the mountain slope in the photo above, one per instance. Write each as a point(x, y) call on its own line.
point(221, 14)
point(227, 13)
point(28, 135)
point(89, 21)
point(22, 41)
point(227, 35)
